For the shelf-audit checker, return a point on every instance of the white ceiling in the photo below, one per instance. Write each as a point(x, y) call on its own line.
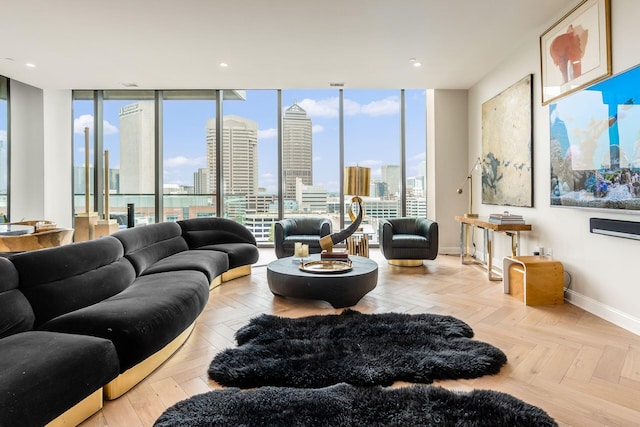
point(171, 44)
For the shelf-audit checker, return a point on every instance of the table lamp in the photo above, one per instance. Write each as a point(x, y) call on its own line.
point(469, 178)
point(356, 183)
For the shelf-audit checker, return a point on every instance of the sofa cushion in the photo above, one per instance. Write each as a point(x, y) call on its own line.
point(200, 232)
point(239, 254)
point(144, 246)
point(42, 374)
point(211, 263)
point(16, 314)
point(143, 318)
point(66, 278)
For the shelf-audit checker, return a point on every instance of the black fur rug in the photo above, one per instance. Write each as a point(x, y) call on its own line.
point(355, 348)
point(346, 405)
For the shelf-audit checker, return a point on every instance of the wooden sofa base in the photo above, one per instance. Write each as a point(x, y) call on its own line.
point(234, 273)
point(406, 262)
point(128, 379)
point(80, 411)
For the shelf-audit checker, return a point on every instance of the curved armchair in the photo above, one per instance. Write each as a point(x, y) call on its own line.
point(305, 230)
point(408, 241)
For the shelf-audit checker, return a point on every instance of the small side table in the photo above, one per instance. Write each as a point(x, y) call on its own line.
point(534, 280)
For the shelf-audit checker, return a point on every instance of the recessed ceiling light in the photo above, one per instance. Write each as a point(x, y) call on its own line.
point(130, 84)
point(224, 65)
point(30, 65)
point(417, 64)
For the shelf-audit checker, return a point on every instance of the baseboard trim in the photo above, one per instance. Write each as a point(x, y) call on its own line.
point(617, 317)
point(446, 250)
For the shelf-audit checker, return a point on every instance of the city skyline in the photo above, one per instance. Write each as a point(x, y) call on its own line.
point(371, 132)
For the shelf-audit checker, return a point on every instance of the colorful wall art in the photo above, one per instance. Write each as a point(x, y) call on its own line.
point(595, 145)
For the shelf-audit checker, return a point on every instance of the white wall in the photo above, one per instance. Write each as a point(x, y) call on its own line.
point(41, 170)
point(27, 153)
point(58, 168)
point(605, 279)
point(447, 163)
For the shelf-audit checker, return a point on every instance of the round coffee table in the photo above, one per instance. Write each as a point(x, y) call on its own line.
point(342, 289)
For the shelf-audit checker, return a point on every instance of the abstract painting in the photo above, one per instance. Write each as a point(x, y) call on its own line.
point(576, 51)
point(595, 145)
point(507, 149)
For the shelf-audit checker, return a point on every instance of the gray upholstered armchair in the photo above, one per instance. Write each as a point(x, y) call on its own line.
point(305, 230)
point(408, 241)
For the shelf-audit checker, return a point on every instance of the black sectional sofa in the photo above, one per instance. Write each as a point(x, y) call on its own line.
point(94, 318)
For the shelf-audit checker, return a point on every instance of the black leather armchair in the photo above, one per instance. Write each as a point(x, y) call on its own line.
point(408, 241)
point(305, 230)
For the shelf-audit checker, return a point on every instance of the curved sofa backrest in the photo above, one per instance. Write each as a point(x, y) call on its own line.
point(148, 244)
point(66, 278)
point(16, 314)
point(200, 232)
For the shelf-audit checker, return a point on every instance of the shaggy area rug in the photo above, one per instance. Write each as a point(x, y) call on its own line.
point(347, 405)
point(354, 348)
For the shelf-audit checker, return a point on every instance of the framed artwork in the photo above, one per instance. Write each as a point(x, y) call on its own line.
point(576, 51)
point(507, 148)
point(595, 145)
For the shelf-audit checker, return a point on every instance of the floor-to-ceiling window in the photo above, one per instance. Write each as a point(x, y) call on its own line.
point(415, 132)
point(280, 153)
point(4, 148)
point(372, 139)
point(250, 161)
point(311, 153)
point(83, 151)
point(188, 184)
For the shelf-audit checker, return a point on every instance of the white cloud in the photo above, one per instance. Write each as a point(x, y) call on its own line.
point(320, 108)
point(3, 135)
point(328, 108)
point(317, 158)
point(370, 163)
point(419, 156)
point(86, 120)
point(176, 162)
point(384, 107)
point(267, 133)
point(351, 108)
point(317, 129)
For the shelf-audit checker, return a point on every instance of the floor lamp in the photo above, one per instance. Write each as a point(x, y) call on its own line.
point(356, 183)
point(469, 178)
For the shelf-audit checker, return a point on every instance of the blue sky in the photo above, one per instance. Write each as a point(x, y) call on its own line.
point(371, 131)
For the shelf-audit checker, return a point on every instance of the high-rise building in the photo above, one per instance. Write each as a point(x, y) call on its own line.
point(391, 175)
point(311, 198)
point(297, 156)
point(239, 155)
point(137, 163)
point(201, 181)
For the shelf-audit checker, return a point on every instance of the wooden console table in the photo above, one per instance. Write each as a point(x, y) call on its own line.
point(511, 230)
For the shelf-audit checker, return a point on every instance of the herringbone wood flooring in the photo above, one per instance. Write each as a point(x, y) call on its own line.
point(581, 369)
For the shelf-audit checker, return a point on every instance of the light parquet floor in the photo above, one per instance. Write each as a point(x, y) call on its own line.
point(582, 370)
